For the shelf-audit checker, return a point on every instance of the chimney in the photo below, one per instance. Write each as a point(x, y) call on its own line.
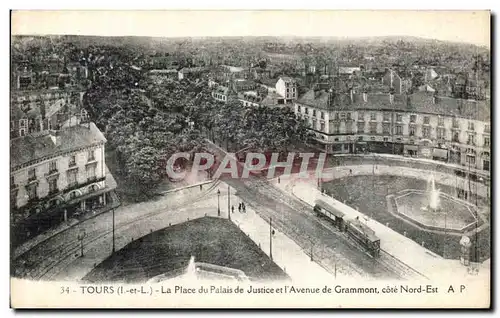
point(54, 137)
point(435, 99)
point(365, 97)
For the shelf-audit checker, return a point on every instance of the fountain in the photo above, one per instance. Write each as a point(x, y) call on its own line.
point(191, 268)
point(432, 195)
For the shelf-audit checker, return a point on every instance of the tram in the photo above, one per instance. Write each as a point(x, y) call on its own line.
point(354, 228)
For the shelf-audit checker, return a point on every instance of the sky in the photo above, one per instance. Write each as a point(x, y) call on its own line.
point(457, 26)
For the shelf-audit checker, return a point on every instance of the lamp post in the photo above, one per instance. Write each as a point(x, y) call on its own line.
point(113, 249)
point(218, 202)
point(228, 202)
point(80, 237)
point(270, 238)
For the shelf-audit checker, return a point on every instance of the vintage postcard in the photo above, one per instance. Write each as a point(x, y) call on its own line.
point(250, 159)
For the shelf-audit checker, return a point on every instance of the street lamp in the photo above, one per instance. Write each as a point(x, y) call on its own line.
point(218, 202)
point(228, 202)
point(113, 250)
point(80, 237)
point(271, 232)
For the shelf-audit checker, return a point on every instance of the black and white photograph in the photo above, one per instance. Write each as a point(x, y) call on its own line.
point(250, 159)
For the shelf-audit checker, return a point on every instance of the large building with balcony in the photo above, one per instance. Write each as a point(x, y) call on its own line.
point(421, 124)
point(57, 168)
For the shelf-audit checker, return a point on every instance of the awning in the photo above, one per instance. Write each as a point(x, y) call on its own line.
point(411, 147)
point(441, 153)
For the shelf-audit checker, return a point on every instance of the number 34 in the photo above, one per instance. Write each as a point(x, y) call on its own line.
point(64, 290)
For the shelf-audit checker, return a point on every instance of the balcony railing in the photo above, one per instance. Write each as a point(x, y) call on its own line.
point(52, 172)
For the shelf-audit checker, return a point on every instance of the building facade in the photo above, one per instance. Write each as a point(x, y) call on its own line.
point(287, 88)
point(423, 125)
point(57, 169)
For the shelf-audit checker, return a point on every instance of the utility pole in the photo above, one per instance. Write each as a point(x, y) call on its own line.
point(218, 202)
point(228, 202)
point(270, 238)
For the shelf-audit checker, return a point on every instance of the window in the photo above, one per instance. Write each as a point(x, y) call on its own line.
point(399, 118)
point(412, 130)
point(91, 172)
point(486, 141)
point(455, 123)
point(31, 191)
point(31, 174)
point(386, 139)
point(336, 128)
point(348, 116)
point(471, 139)
point(52, 166)
point(348, 128)
point(426, 132)
point(22, 132)
point(413, 118)
point(23, 123)
point(440, 121)
point(399, 130)
point(360, 138)
point(322, 115)
point(361, 127)
point(487, 128)
point(470, 159)
point(387, 117)
point(53, 185)
point(342, 115)
point(90, 155)
point(299, 109)
point(72, 161)
point(314, 112)
point(322, 126)
point(441, 133)
point(361, 116)
point(386, 128)
point(13, 198)
point(471, 125)
point(337, 116)
point(373, 116)
point(427, 120)
point(72, 181)
point(373, 128)
point(455, 137)
point(307, 110)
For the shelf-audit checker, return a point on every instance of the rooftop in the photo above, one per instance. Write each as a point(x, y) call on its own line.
point(30, 148)
point(419, 102)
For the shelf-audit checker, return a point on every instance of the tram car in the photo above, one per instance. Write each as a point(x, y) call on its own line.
point(365, 236)
point(354, 228)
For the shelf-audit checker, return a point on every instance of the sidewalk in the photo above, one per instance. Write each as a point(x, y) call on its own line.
point(415, 160)
point(28, 245)
point(286, 253)
point(399, 246)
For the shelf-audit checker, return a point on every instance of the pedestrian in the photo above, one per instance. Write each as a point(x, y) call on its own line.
point(350, 171)
point(232, 208)
point(239, 207)
point(244, 207)
point(201, 187)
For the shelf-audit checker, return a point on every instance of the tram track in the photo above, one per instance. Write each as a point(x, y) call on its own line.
point(60, 253)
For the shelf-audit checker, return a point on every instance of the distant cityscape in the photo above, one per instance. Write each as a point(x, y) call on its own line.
point(94, 120)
